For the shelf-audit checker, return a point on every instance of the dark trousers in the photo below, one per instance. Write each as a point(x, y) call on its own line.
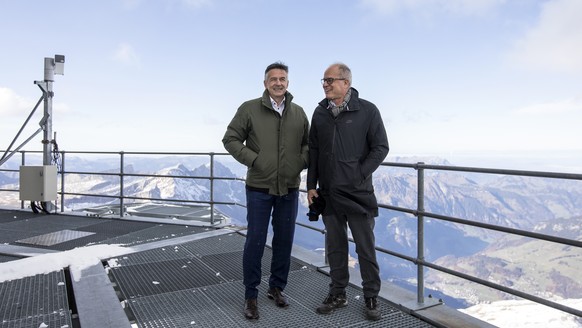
point(362, 228)
point(260, 207)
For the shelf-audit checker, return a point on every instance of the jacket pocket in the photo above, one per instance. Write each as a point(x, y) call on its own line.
point(294, 167)
point(348, 172)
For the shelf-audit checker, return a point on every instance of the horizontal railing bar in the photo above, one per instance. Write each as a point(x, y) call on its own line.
point(96, 152)
point(535, 235)
point(151, 175)
point(155, 199)
point(524, 233)
point(399, 209)
point(538, 174)
point(396, 254)
point(310, 227)
point(508, 290)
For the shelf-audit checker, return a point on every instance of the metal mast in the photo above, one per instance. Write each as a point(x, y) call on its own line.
point(52, 66)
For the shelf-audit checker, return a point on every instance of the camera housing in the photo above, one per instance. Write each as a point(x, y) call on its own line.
point(316, 208)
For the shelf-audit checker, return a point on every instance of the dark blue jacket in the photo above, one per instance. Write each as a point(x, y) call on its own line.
point(343, 153)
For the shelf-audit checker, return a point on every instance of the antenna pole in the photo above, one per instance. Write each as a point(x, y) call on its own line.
point(52, 66)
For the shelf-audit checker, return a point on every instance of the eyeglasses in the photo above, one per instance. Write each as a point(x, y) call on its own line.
point(330, 80)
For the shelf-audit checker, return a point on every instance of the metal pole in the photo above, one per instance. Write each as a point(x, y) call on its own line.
point(420, 232)
point(22, 162)
point(212, 188)
point(121, 195)
point(63, 181)
point(47, 142)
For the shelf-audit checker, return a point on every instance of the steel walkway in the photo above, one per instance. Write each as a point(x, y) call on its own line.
point(171, 275)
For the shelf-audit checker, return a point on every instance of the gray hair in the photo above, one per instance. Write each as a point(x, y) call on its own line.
point(345, 71)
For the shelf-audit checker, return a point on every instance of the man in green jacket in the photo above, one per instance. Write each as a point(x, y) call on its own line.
point(269, 135)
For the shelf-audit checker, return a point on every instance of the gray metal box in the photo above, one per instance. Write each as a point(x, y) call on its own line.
point(38, 183)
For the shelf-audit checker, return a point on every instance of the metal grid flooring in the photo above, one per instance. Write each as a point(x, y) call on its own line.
point(38, 301)
point(199, 284)
point(188, 284)
point(21, 229)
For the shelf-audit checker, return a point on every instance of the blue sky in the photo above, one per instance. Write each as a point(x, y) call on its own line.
point(452, 78)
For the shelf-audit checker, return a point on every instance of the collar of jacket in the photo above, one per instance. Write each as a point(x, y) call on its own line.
point(266, 99)
point(353, 104)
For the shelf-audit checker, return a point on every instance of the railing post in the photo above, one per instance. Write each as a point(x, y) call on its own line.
point(22, 162)
point(121, 195)
point(211, 188)
point(420, 237)
point(62, 181)
point(325, 246)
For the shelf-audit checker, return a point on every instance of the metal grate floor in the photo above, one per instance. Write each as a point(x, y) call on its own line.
point(199, 284)
point(188, 284)
point(38, 301)
point(53, 238)
point(221, 305)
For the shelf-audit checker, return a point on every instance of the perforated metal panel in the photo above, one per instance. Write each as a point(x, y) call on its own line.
point(194, 284)
point(223, 244)
point(162, 277)
point(185, 308)
point(31, 301)
point(37, 225)
point(57, 237)
point(117, 227)
point(153, 233)
point(222, 306)
point(9, 216)
point(216, 295)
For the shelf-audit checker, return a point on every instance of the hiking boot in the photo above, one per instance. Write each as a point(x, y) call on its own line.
point(372, 311)
point(251, 309)
point(277, 295)
point(332, 302)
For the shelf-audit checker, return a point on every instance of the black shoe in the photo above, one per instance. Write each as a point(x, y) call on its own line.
point(251, 309)
point(332, 302)
point(276, 294)
point(372, 311)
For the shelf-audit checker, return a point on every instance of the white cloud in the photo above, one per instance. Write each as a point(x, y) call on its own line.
point(126, 54)
point(555, 43)
point(457, 7)
point(12, 104)
point(573, 105)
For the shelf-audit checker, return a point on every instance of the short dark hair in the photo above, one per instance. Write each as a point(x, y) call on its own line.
point(277, 65)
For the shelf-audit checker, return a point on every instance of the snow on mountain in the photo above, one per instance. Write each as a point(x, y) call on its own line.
point(168, 187)
point(526, 314)
point(542, 268)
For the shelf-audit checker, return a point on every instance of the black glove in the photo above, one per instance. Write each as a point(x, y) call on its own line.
point(316, 208)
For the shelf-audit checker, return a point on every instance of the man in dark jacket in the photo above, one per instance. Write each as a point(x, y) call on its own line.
point(270, 136)
point(347, 143)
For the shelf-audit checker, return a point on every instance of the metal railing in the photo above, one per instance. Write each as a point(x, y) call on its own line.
point(419, 212)
point(121, 197)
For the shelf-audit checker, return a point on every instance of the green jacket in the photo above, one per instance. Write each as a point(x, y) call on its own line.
point(274, 148)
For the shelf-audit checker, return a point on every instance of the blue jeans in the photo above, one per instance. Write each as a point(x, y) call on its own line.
point(260, 207)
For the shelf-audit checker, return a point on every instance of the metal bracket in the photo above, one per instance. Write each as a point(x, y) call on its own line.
point(428, 303)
